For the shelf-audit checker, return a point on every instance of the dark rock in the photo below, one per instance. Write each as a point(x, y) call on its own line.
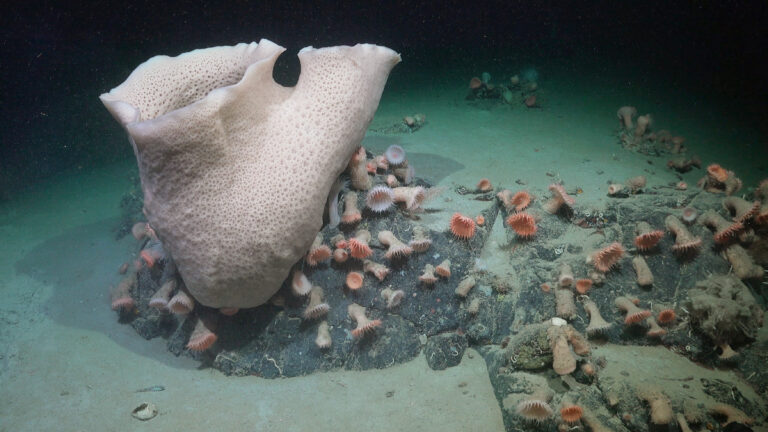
point(445, 350)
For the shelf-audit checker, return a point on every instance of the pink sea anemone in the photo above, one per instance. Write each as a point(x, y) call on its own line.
point(395, 248)
point(607, 257)
point(354, 280)
point(358, 245)
point(558, 200)
point(625, 114)
point(395, 154)
point(364, 324)
point(523, 224)
point(484, 185)
point(380, 199)
point(203, 336)
point(462, 227)
point(689, 215)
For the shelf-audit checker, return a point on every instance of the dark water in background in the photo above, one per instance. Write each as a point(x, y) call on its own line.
point(56, 60)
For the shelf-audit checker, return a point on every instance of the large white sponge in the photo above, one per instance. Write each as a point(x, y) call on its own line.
point(235, 168)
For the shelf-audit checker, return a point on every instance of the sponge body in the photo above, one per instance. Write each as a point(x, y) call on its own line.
point(235, 168)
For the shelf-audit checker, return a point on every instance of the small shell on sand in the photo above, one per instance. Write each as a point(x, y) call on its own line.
point(145, 411)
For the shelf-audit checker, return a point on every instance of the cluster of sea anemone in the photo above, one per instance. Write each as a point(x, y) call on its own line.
point(636, 134)
point(519, 89)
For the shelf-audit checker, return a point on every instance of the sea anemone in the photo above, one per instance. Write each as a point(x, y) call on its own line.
point(228, 311)
point(300, 285)
point(634, 314)
point(571, 413)
point(505, 196)
point(340, 255)
point(203, 336)
point(371, 167)
point(391, 181)
point(465, 286)
point(559, 198)
point(577, 340)
point(588, 369)
point(420, 240)
point(354, 280)
point(646, 237)
point(316, 307)
point(643, 272)
point(563, 361)
point(380, 271)
point(625, 114)
point(381, 162)
point(536, 408)
point(339, 241)
point(162, 296)
point(732, 414)
point(689, 215)
point(380, 199)
point(480, 220)
point(607, 257)
point(392, 297)
point(677, 144)
point(597, 325)
point(741, 210)
point(395, 155)
point(181, 303)
point(412, 197)
point(521, 200)
point(404, 172)
point(636, 184)
point(615, 189)
point(351, 213)
point(358, 245)
point(396, 248)
point(358, 171)
point(140, 230)
point(153, 253)
point(318, 251)
point(484, 185)
point(685, 242)
point(121, 294)
point(462, 227)
point(654, 330)
point(444, 269)
point(666, 316)
point(364, 325)
point(661, 411)
point(718, 173)
point(523, 224)
point(583, 285)
point(475, 83)
point(323, 339)
point(564, 305)
point(643, 122)
point(565, 276)
point(725, 231)
point(428, 277)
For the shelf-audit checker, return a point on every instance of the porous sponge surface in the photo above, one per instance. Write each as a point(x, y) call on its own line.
point(235, 178)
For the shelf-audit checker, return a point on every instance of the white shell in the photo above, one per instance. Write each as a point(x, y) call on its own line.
point(558, 321)
point(145, 411)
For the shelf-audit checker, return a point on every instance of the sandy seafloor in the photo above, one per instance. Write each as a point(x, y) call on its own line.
point(67, 364)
